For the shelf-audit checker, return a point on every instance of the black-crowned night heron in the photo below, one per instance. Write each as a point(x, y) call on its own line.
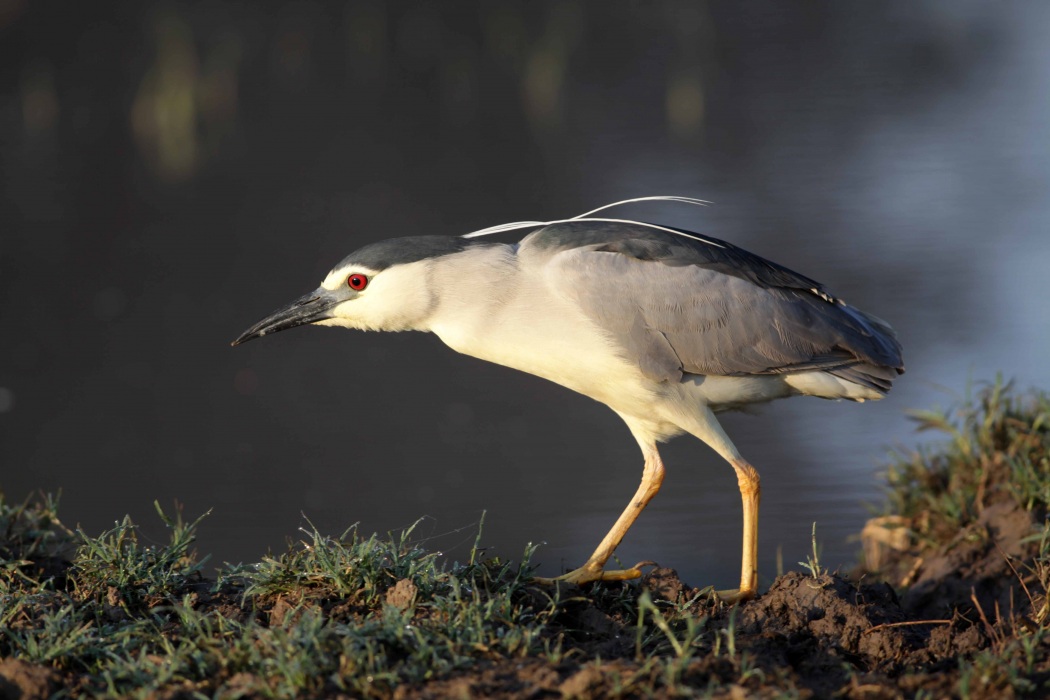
point(664, 326)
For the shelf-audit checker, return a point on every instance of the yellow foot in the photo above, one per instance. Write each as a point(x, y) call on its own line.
point(735, 595)
point(586, 574)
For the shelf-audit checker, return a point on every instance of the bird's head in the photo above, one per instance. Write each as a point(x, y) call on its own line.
point(383, 286)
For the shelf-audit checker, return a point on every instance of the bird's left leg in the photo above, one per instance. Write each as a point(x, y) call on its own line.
point(594, 568)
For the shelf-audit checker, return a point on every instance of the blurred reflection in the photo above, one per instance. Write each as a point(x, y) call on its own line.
point(165, 111)
point(174, 170)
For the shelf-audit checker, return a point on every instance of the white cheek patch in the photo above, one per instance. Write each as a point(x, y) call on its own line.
point(343, 318)
point(343, 309)
point(336, 279)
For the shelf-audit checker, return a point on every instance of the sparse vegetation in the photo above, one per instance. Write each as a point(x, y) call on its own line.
point(358, 616)
point(997, 451)
point(812, 562)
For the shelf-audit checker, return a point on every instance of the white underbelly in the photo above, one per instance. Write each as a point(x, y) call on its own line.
point(729, 393)
point(565, 350)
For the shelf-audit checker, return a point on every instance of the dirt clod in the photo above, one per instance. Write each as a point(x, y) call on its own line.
point(20, 680)
point(833, 614)
point(402, 594)
point(664, 584)
point(582, 684)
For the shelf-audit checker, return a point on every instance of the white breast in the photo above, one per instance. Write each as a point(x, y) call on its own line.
point(507, 318)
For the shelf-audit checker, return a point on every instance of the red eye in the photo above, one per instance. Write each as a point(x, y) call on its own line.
point(357, 282)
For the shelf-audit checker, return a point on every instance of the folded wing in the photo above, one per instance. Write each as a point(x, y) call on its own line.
point(677, 304)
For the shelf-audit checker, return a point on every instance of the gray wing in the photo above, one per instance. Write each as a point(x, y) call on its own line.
point(674, 304)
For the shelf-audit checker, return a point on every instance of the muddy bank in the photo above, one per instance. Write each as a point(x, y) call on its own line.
point(966, 628)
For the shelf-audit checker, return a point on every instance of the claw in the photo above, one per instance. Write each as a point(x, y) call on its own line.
point(585, 574)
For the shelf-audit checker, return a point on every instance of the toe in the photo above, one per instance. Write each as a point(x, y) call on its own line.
point(735, 595)
point(586, 574)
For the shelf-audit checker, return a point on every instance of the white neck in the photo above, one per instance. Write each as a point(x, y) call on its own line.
point(469, 288)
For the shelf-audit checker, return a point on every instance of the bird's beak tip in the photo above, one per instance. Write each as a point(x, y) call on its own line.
point(244, 338)
point(309, 308)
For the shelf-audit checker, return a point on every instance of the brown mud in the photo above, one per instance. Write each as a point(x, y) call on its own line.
point(953, 622)
point(899, 634)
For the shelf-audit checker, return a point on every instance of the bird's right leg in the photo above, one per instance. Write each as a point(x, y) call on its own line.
point(594, 568)
point(702, 423)
point(750, 494)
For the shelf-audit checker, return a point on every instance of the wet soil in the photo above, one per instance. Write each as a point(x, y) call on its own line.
point(902, 633)
point(919, 628)
point(806, 636)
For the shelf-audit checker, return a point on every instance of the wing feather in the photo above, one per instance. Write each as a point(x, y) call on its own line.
point(674, 306)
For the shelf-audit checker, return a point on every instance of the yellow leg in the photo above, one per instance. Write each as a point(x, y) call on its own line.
point(594, 568)
point(750, 494)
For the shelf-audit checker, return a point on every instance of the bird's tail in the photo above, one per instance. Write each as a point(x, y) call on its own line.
point(879, 353)
point(871, 376)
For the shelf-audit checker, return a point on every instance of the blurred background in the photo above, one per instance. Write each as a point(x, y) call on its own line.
point(170, 173)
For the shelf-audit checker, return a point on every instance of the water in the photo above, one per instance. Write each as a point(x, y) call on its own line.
point(898, 153)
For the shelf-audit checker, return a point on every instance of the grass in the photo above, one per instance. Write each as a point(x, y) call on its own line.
point(349, 614)
point(996, 452)
point(364, 615)
point(812, 563)
point(131, 619)
point(115, 568)
point(997, 448)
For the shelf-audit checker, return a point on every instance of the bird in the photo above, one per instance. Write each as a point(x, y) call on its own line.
point(665, 326)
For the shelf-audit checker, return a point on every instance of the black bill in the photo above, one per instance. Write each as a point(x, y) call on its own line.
point(310, 308)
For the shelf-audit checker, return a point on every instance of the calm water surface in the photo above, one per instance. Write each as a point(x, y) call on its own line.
point(897, 153)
